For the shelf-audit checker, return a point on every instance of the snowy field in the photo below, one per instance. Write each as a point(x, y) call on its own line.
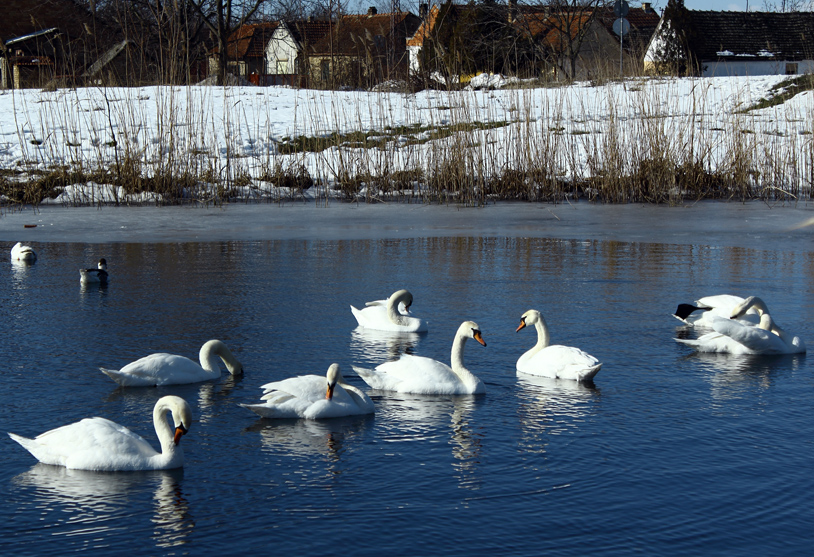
point(241, 136)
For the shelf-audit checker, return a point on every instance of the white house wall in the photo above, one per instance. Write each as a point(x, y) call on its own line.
point(281, 46)
point(414, 64)
point(747, 68)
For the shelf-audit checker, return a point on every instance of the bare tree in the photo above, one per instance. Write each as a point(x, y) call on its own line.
point(558, 28)
point(784, 6)
point(222, 17)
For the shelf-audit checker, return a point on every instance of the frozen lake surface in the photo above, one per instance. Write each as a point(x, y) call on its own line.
point(667, 452)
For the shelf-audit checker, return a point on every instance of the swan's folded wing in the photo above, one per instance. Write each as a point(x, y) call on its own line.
point(129, 379)
point(755, 339)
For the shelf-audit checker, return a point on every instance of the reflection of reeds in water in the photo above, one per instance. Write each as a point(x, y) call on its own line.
point(94, 503)
point(551, 407)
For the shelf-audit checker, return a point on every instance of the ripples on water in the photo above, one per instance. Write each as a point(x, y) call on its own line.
point(667, 452)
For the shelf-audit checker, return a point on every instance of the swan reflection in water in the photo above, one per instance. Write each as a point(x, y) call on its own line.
point(299, 437)
point(413, 417)
point(729, 375)
point(19, 271)
point(212, 396)
point(380, 346)
point(551, 407)
point(84, 503)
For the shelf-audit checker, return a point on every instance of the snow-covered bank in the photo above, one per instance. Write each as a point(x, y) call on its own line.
point(236, 142)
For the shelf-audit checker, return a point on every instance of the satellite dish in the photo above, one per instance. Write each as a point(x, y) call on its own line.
point(621, 27)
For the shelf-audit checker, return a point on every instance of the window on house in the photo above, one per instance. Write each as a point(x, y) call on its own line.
point(325, 68)
point(282, 66)
point(791, 69)
point(237, 68)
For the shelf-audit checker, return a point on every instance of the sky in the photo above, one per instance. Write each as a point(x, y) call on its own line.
point(711, 5)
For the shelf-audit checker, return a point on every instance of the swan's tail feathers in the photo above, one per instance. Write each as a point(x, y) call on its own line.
point(128, 379)
point(688, 341)
point(590, 373)
point(115, 375)
point(28, 444)
point(357, 314)
point(263, 410)
point(685, 310)
point(369, 376)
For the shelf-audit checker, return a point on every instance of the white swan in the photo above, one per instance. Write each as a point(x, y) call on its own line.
point(23, 253)
point(712, 307)
point(169, 369)
point(306, 397)
point(99, 444)
point(388, 315)
point(99, 274)
point(557, 361)
point(420, 375)
point(730, 336)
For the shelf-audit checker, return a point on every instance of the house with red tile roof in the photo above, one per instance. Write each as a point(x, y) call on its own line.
point(548, 35)
point(362, 50)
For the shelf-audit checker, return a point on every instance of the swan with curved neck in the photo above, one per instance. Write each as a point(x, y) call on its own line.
point(103, 445)
point(387, 315)
point(702, 312)
point(312, 397)
point(170, 369)
point(19, 252)
point(421, 375)
point(99, 274)
point(731, 336)
point(557, 361)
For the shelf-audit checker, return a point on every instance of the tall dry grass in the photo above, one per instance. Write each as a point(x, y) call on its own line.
point(641, 140)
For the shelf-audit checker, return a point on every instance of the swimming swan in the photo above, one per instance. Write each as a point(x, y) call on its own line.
point(23, 253)
point(386, 315)
point(557, 361)
point(420, 375)
point(169, 369)
point(306, 397)
point(730, 336)
point(99, 444)
point(712, 307)
point(95, 275)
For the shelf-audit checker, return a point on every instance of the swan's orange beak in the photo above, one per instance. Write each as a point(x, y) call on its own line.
point(522, 324)
point(479, 338)
point(330, 394)
point(179, 431)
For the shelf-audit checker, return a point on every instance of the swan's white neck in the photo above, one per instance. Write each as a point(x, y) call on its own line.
point(457, 361)
point(393, 312)
point(164, 431)
point(543, 337)
point(213, 350)
point(766, 321)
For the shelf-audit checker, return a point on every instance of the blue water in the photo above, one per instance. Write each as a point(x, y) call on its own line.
point(667, 452)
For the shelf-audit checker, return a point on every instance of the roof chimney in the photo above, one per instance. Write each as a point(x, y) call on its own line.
point(372, 10)
point(646, 7)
